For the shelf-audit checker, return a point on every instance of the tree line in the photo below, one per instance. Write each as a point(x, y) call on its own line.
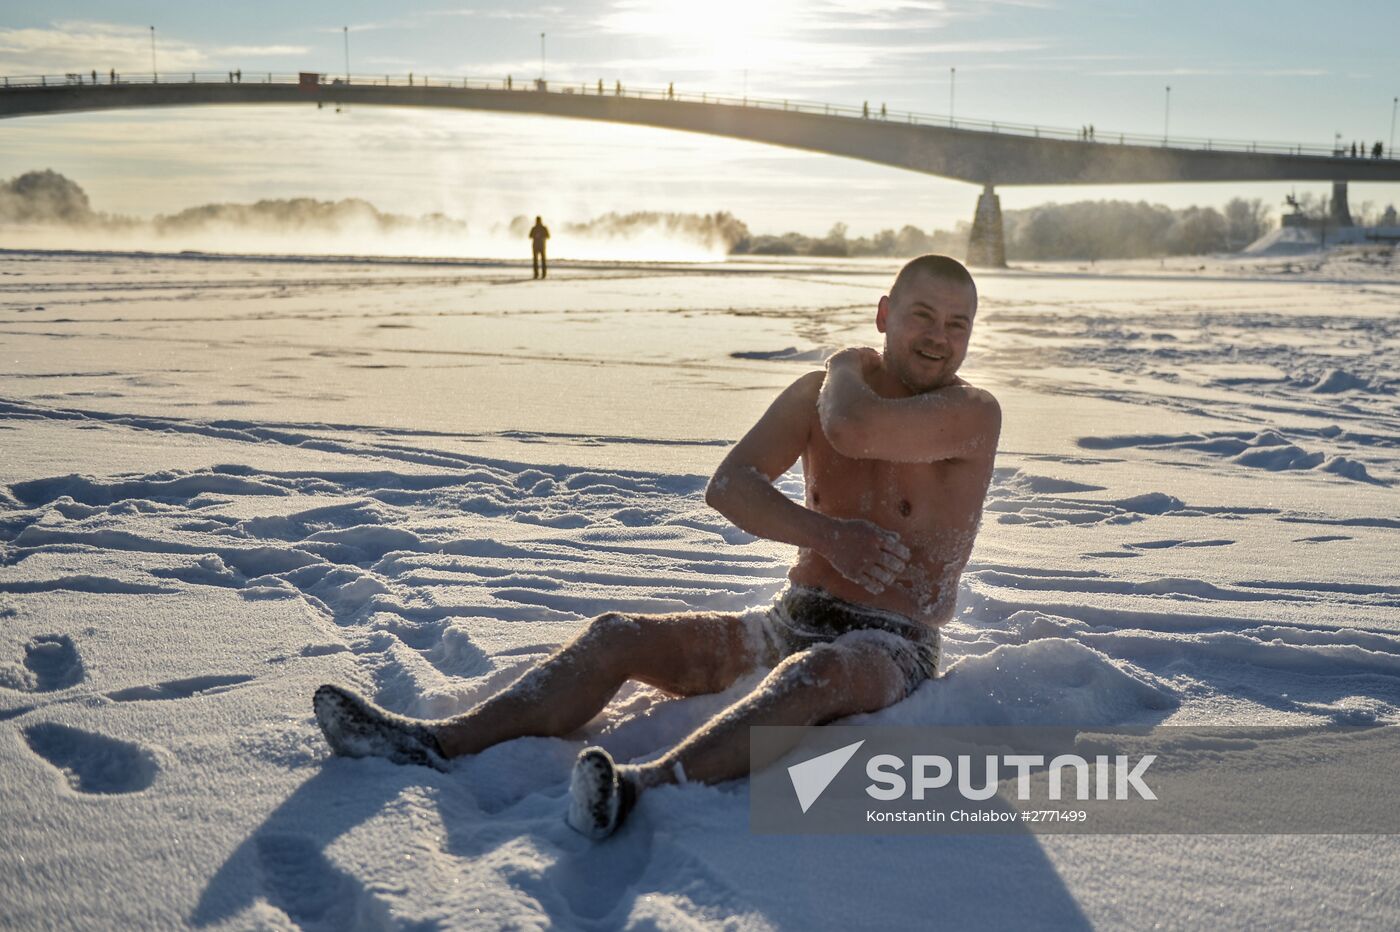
point(1078, 230)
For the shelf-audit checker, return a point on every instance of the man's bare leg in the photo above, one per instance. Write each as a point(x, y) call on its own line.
point(822, 683)
point(818, 685)
point(684, 654)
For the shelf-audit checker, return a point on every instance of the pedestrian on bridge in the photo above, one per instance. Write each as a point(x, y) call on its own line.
point(539, 233)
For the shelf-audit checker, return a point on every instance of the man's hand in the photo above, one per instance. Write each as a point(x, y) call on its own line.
point(956, 421)
point(865, 553)
point(863, 358)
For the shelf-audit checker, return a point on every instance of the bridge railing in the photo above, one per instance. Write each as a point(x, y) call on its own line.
point(616, 89)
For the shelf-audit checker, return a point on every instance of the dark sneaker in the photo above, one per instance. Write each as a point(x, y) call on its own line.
point(356, 727)
point(600, 795)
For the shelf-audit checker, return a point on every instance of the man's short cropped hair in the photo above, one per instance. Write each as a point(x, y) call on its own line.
point(935, 266)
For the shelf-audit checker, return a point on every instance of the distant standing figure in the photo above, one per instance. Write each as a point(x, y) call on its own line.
point(600, 87)
point(238, 75)
point(1376, 150)
point(882, 111)
point(865, 110)
point(538, 234)
point(671, 91)
point(508, 82)
point(112, 74)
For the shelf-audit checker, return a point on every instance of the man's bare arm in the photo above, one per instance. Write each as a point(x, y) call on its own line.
point(742, 490)
point(957, 422)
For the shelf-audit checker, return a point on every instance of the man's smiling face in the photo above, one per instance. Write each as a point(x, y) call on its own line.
point(927, 321)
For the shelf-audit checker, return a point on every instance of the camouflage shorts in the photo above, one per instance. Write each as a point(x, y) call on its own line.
point(803, 617)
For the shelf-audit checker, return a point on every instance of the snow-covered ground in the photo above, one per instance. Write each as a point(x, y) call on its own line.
point(223, 482)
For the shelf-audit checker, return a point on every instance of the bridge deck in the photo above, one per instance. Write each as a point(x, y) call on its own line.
point(986, 154)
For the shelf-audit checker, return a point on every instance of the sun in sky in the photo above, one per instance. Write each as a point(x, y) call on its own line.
point(722, 36)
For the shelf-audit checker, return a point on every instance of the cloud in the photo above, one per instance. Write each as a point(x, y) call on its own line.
point(424, 18)
point(793, 43)
point(261, 51)
point(788, 62)
point(544, 12)
point(684, 20)
point(1215, 72)
point(406, 22)
point(678, 18)
point(1097, 56)
point(84, 45)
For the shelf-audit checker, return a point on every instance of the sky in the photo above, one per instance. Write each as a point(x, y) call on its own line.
point(1267, 70)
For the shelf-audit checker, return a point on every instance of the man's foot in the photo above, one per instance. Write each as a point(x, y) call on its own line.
point(356, 727)
point(600, 794)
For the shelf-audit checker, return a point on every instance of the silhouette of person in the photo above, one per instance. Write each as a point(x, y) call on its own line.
point(1353, 150)
point(617, 88)
point(238, 75)
point(1091, 132)
point(671, 91)
point(538, 234)
point(865, 110)
point(600, 87)
point(882, 111)
point(1376, 150)
point(508, 82)
point(94, 76)
point(112, 75)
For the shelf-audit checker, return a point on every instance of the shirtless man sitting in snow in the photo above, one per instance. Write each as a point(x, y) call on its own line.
point(897, 455)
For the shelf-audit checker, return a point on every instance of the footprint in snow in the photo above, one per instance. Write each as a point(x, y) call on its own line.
point(51, 663)
point(93, 763)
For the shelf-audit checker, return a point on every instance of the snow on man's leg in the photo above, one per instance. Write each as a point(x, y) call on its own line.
point(683, 654)
point(824, 682)
point(356, 727)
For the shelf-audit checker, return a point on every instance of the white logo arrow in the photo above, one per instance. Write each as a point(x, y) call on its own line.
point(811, 777)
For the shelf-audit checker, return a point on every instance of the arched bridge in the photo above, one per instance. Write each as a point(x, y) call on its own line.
point(984, 153)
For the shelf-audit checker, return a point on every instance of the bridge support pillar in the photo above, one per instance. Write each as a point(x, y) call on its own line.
point(1340, 213)
point(986, 247)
